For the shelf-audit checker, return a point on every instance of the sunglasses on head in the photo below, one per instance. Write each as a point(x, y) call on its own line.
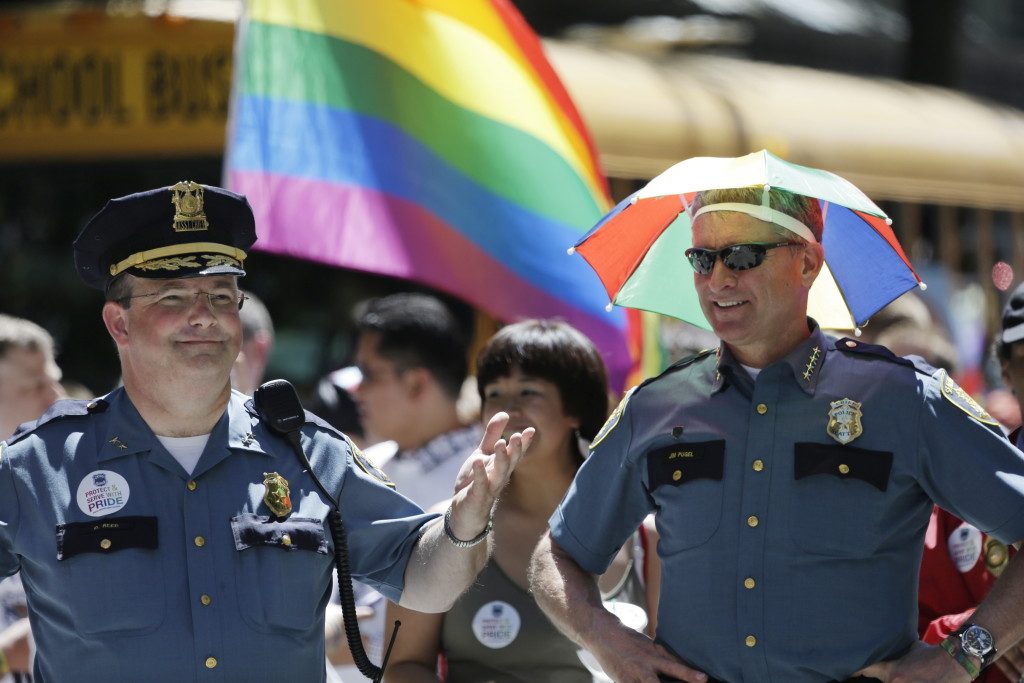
point(735, 257)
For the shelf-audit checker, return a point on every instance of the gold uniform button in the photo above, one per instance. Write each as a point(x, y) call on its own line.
point(761, 409)
point(286, 540)
point(850, 343)
point(749, 583)
point(211, 662)
point(752, 521)
point(200, 541)
point(677, 475)
point(758, 465)
point(751, 641)
point(205, 599)
point(996, 554)
point(192, 485)
point(105, 544)
point(844, 468)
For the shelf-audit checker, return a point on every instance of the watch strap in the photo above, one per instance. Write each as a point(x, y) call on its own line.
point(951, 644)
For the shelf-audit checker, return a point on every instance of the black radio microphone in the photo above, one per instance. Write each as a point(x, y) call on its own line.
point(279, 407)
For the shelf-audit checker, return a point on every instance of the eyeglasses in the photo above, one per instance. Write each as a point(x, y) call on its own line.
point(735, 257)
point(183, 299)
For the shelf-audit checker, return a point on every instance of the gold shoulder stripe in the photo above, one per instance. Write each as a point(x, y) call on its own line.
point(962, 400)
point(612, 421)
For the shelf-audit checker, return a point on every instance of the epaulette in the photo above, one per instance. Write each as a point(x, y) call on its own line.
point(358, 457)
point(678, 365)
point(65, 408)
point(310, 418)
point(323, 424)
point(853, 346)
point(613, 420)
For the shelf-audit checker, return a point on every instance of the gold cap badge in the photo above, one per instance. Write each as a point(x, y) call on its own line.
point(844, 420)
point(277, 496)
point(187, 198)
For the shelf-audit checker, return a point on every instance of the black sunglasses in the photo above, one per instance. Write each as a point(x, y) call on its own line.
point(735, 257)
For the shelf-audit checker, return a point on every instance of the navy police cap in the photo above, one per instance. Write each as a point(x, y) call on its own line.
point(185, 230)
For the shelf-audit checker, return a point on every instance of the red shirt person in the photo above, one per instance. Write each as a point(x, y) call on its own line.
point(959, 566)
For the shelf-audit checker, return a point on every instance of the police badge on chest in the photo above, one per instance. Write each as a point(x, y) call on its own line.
point(844, 420)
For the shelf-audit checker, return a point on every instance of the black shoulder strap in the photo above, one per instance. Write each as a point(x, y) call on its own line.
point(679, 365)
point(63, 409)
point(852, 346)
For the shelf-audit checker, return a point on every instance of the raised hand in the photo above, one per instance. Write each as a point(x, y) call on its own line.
point(484, 475)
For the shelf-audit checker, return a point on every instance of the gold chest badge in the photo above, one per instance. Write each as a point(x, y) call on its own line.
point(278, 495)
point(844, 420)
point(187, 198)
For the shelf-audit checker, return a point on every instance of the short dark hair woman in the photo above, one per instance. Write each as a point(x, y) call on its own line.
point(546, 375)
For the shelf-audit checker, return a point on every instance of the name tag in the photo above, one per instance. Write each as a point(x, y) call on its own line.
point(680, 463)
point(107, 535)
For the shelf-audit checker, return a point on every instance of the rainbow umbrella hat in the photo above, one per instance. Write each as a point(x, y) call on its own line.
point(637, 248)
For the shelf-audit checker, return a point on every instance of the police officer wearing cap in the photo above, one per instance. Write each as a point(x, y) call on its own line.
point(792, 477)
point(163, 532)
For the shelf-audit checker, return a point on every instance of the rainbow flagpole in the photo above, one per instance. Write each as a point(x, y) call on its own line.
point(428, 140)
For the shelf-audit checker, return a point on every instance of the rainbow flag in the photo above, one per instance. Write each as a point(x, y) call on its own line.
point(423, 139)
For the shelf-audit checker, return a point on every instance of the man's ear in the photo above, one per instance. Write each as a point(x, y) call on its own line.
point(416, 382)
point(115, 317)
point(811, 262)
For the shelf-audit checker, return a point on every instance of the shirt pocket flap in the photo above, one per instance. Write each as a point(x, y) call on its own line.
point(680, 463)
point(106, 536)
point(844, 462)
point(294, 533)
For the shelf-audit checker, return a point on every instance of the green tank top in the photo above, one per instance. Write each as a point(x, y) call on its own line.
point(496, 632)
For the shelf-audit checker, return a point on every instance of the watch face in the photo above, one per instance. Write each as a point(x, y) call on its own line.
point(976, 641)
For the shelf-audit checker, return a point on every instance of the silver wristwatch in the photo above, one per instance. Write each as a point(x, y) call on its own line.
point(978, 642)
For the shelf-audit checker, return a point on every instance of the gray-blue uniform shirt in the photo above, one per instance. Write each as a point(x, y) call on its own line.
point(137, 571)
point(792, 509)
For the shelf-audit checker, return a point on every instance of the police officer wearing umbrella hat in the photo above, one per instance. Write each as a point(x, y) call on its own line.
point(163, 531)
point(792, 477)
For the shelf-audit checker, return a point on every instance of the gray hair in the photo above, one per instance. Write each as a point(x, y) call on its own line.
point(804, 209)
point(19, 333)
point(120, 290)
point(255, 317)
